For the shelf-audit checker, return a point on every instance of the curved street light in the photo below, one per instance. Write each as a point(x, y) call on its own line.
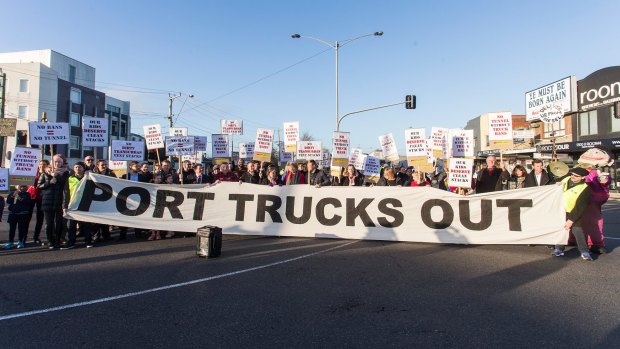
point(336, 46)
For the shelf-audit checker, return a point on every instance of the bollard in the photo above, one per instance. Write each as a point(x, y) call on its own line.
point(209, 241)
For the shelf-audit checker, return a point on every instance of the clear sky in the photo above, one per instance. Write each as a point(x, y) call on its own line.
point(460, 58)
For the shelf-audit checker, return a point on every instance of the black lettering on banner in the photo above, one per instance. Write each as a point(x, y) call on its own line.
point(448, 214)
point(88, 195)
point(143, 205)
point(486, 215)
point(199, 208)
point(320, 211)
point(359, 210)
point(290, 210)
point(262, 208)
point(161, 202)
point(396, 214)
point(514, 211)
point(241, 199)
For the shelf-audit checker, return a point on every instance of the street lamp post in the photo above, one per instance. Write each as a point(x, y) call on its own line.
point(336, 46)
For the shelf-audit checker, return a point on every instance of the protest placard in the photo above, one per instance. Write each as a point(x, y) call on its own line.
point(200, 143)
point(246, 150)
point(309, 150)
point(231, 127)
point(4, 179)
point(178, 131)
point(25, 162)
point(263, 145)
point(438, 138)
point(219, 146)
point(415, 142)
point(460, 172)
point(372, 168)
point(286, 156)
point(461, 143)
point(340, 148)
point(291, 136)
point(180, 145)
point(127, 150)
point(388, 146)
point(49, 133)
point(153, 136)
point(500, 126)
point(8, 126)
point(94, 132)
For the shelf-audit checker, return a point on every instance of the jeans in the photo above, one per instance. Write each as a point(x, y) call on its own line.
point(577, 232)
point(54, 226)
point(18, 222)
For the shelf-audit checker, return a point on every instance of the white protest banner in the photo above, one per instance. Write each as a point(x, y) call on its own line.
point(180, 145)
point(285, 156)
point(562, 93)
point(291, 136)
point(246, 150)
point(219, 146)
point(524, 216)
point(460, 172)
point(263, 144)
point(200, 143)
point(153, 136)
point(500, 126)
point(191, 158)
point(4, 179)
point(25, 162)
point(309, 150)
point(49, 133)
point(439, 146)
point(372, 168)
point(341, 142)
point(388, 145)
point(127, 150)
point(461, 143)
point(94, 132)
point(117, 165)
point(178, 131)
point(231, 127)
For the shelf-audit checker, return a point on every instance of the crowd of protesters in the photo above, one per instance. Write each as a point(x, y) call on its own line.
point(55, 183)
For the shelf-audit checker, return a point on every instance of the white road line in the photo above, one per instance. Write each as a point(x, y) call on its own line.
point(163, 288)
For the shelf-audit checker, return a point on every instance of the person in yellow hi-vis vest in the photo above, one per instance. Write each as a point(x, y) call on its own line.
point(576, 198)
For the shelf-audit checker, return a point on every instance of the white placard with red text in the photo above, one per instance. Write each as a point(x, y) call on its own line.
point(291, 135)
point(500, 126)
point(231, 127)
point(94, 132)
point(460, 172)
point(388, 146)
point(153, 137)
point(309, 150)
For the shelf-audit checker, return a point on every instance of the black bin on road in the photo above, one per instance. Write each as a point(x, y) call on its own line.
point(209, 241)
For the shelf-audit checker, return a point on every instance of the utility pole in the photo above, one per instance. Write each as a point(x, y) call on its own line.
point(2, 102)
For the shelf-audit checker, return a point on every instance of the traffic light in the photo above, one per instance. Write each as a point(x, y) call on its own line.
point(410, 102)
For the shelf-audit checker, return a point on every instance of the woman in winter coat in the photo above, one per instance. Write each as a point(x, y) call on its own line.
point(293, 176)
point(36, 196)
point(517, 179)
point(389, 179)
point(19, 208)
point(54, 184)
point(351, 177)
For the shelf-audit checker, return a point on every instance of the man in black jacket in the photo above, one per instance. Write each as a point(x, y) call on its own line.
point(491, 179)
point(316, 177)
point(250, 175)
point(538, 176)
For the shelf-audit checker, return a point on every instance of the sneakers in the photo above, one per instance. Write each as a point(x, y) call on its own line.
point(38, 242)
point(557, 252)
point(586, 256)
point(21, 244)
point(8, 246)
point(67, 247)
point(89, 245)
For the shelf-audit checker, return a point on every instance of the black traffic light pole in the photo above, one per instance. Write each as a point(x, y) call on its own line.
point(406, 102)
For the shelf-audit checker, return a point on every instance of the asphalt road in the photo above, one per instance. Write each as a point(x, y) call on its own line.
point(268, 292)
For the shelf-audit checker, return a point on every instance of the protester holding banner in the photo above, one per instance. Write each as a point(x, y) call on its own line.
point(250, 175)
point(135, 175)
point(351, 177)
point(576, 199)
point(538, 176)
point(85, 228)
point(167, 174)
point(492, 178)
point(389, 179)
point(36, 196)
point(225, 175)
point(199, 176)
point(102, 168)
point(19, 209)
point(273, 178)
point(186, 173)
point(292, 175)
point(401, 174)
point(517, 178)
point(240, 169)
point(316, 177)
point(89, 162)
point(146, 174)
point(53, 183)
point(419, 180)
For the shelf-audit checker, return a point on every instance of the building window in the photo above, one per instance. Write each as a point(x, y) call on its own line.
point(615, 123)
point(114, 126)
point(76, 96)
point(23, 85)
point(558, 128)
point(22, 138)
point(22, 111)
point(71, 74)
point(74, 143)
point(123, 129)
point(588, 124)
point(74, 120)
